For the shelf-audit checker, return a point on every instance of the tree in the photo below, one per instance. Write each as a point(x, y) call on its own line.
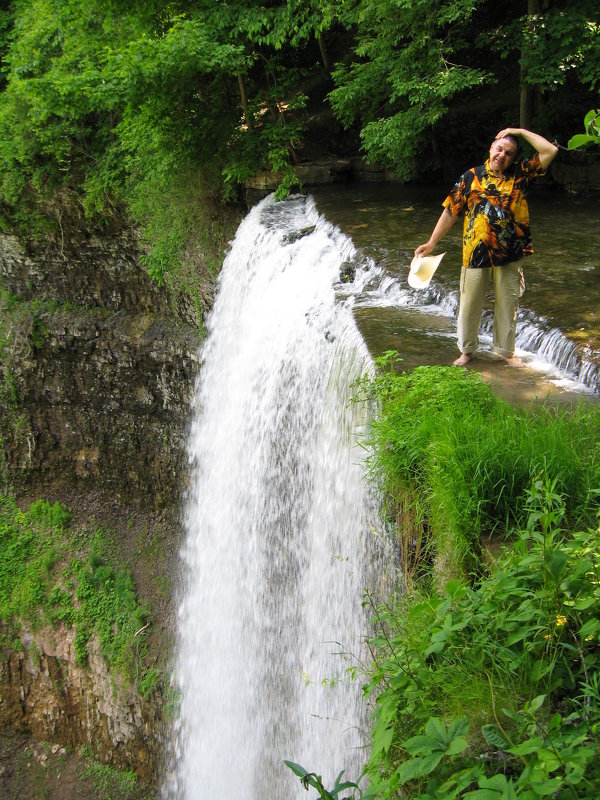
point(426, 77)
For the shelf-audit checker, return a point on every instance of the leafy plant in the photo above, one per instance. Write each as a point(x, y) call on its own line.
point(316, 782)
point(491, 691)
point(591, 124)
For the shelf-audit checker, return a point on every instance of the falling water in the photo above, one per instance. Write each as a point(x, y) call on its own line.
point(279, 522)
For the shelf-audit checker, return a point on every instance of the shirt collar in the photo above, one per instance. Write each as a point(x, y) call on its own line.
point(503, 177)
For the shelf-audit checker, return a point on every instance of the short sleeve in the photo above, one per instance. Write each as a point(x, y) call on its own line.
point(532, 167)
point(456, 201)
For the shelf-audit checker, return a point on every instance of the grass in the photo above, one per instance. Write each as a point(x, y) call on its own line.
point(107, 782)
point(467, 458)
point(485, 681)
point(51, 574)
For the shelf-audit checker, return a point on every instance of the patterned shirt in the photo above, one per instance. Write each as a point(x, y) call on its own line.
point(496, 226)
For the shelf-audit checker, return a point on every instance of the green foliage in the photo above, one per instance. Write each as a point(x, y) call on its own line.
point(27, 563)
point(182, 226)
point(109, 783)
point(316, 782)
point(108, 607)
point(486, 686)
point(591, 124)
point(47, 576)
point(101, 101)
point(468, 458)
point(405, 73)
point(557, 43)
point(492, 692)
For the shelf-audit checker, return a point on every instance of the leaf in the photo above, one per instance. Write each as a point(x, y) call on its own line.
point(580, 139)
point(494, 736)
point(458, 727)
point(527, 747)
point(590, 628)
point(495, 788)
point(436, 729)
point(585, 603)
point(457, 745)
point(456, 589)
point(556, 563)
point(296, 768)
point(421, 744)
point(418, 767)
point(536, 703)
point(382, 739)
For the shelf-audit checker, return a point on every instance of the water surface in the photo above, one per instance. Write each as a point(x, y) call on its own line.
point(559, 323)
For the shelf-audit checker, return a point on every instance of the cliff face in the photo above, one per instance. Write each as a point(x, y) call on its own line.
point(98, 371)
point(45, 694)
point(97, 365)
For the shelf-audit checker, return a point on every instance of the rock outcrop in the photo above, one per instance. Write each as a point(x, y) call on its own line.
point(100, 369)
point(45, 693)
point(97, 366)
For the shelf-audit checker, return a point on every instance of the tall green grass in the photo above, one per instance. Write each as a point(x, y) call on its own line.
point(466, 458)
point(485, 681)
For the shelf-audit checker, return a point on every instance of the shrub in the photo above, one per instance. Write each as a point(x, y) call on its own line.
point(492, 691)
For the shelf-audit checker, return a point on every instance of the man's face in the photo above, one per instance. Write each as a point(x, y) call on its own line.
point(502, 155)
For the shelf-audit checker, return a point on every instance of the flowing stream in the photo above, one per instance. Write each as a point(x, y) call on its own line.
point(558, 328)
point(280, 524)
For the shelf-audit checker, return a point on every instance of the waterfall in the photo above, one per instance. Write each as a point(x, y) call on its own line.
point(279, 521)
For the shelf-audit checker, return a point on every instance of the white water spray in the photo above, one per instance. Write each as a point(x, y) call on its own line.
point(279, 524)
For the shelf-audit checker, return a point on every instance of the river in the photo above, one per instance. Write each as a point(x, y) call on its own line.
point(558, 331)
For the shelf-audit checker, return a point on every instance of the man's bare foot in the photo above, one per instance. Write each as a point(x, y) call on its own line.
point(512, 361)
point(463, 359)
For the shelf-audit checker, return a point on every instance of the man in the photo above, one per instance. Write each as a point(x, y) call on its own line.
point(493, 199)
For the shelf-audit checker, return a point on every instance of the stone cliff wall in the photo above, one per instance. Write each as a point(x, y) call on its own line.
point(100, 371)
point(97, 366)
point(45, 694)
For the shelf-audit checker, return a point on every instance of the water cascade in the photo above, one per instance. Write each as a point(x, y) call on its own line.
point(279, 521)
point(541, 345)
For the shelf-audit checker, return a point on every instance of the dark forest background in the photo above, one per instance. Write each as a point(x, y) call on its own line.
point(108, 107)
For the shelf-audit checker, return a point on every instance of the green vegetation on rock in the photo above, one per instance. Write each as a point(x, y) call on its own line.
point(51, 574)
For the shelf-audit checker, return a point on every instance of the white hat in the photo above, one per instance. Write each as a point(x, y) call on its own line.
point(422, 269)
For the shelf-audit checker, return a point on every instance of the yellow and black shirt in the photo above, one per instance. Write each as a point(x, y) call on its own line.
point(496, 226)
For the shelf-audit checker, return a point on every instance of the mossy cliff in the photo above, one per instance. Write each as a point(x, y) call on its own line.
point(97, 365)
point(97, 371)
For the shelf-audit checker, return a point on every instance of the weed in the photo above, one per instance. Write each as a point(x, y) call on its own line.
point(109, 783)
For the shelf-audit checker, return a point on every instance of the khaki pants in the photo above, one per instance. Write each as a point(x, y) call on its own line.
point(508, 287)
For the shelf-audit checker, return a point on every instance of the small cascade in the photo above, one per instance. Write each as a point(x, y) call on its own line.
point(541, 345)
point(279, 520)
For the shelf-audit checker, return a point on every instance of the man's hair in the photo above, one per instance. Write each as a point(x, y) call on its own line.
point(515, 140)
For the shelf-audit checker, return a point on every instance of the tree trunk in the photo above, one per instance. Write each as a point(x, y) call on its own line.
point(528, 93)
point(324, 54)
point(244, 99)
